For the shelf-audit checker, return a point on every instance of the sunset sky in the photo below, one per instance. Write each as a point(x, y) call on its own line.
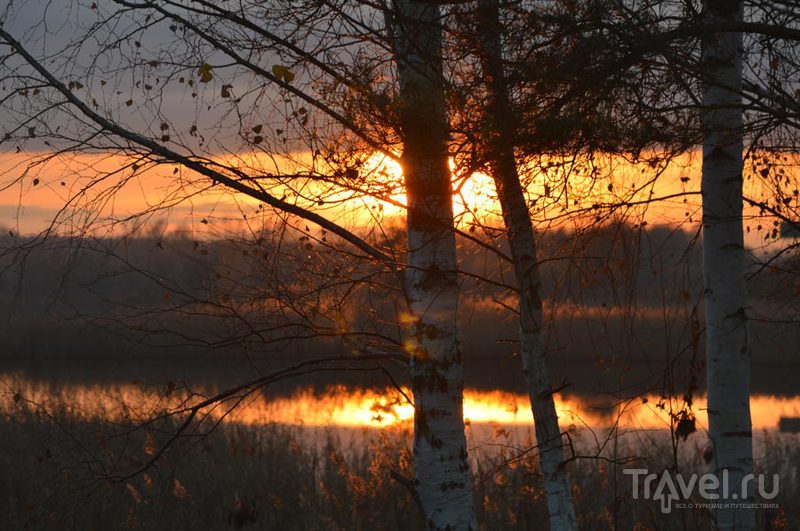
point(101, 191)
point(221, 118)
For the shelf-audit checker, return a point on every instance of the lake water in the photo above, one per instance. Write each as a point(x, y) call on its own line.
point(76, 417)
point(343, 404)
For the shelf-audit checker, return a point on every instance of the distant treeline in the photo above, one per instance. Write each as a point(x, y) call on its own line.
point(616, 296)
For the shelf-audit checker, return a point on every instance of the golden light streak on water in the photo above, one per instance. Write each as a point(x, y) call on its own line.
point(345, 407)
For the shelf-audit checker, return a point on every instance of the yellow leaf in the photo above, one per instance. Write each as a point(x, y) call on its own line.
point(283, 73)
point(407, 318)
point(180, 491)
point(205, 73)
point(134, 492)
point(148, 481)
point(149, 444)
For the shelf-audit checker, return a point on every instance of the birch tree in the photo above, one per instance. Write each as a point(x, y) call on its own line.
point(727, 343)
point(250, 61)
point(500, 141)
point(431, 282)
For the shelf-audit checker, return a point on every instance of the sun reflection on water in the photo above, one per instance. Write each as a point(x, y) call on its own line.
point(348, 407)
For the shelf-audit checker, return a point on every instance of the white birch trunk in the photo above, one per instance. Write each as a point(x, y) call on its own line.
point(499, 127)
point(442, 474)
point(727, 345)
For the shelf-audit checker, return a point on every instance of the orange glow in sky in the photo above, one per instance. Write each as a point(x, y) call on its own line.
point(102, 192)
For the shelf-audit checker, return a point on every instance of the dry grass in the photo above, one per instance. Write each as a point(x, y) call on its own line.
point(53, 475)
